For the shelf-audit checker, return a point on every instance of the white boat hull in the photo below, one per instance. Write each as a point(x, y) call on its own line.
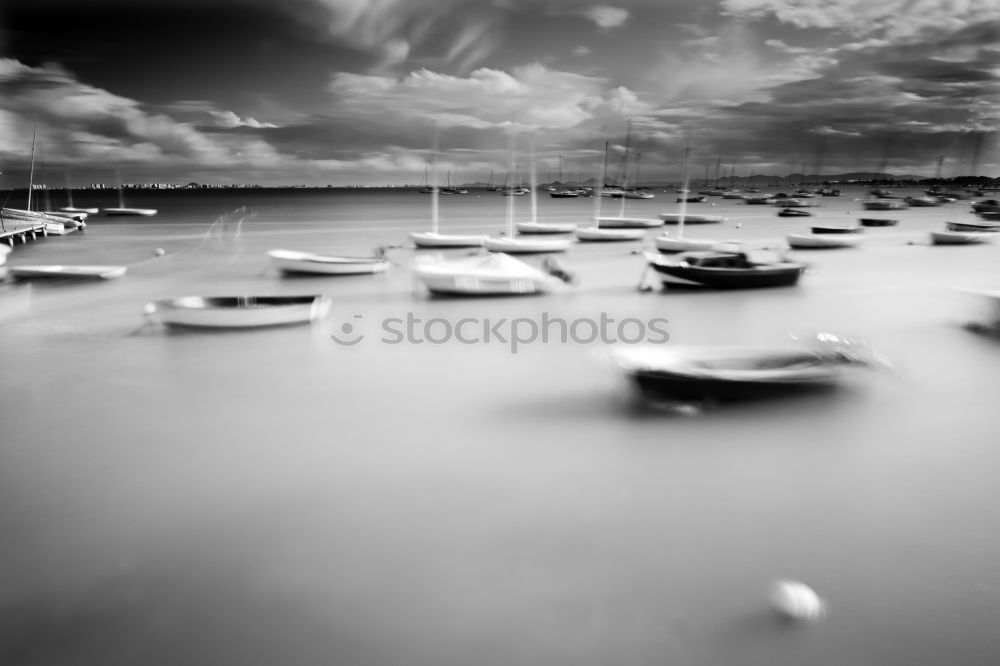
point(73, 209)
point(526, 246)
point(598, 234)
point(545, 227)
point(675, 218)
point(79, 272)
point(430, 239)
point(487, 275)
point(823, 241)
point(302, 262)
point(237, 312)
point(667, 244)
point(129, 211)
point(627, 222)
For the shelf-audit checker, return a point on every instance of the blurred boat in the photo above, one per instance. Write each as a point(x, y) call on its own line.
point(495, 274)
point(917, 202)
point(678, 373)
point(793, 212)
point(433, 238)
point(66, 271)
point(723, 270)
point(291, 261)
point(877, 222)
point(545, 227)
point(835, 229)
point(565, 194)
point(986, 206)
point(696, 198)
point(526, 245)
point(513, 245)
point(823, 241)
point(147, 212)
point(238, 311)
point(961, 237)
point(676, 218)
point(670, 244)
point(985, 226)
point(625, 222)
point(989, 320)
point(596, 234)
point(883, 204)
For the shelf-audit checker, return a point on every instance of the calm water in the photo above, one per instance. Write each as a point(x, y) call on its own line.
point(272, 497)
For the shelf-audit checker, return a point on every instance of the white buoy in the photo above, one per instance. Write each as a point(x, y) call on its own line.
point(160, 252)
point(795, 601)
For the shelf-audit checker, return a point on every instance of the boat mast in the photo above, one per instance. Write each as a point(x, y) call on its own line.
point(624, 176)
point(604, 179)
point(684, 193)
point(534, 184)
point(510, 169)
point(31, 171)
point(434, 181)
point(69, 190)
point(121, 195)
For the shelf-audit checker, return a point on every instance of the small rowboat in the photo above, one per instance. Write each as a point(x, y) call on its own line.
point(238, 311)
point(877, 222)
point(826, 229)
point(667, 373)
point(677, 218)
point(973, 226)
point(147, 212)
point(960, 237)
point(71, 272)
point(793, 212)
point(526, 245)
point(600, 234)
point(718, 269)
point(545, 227)
point(823, 241)
point(291, 261)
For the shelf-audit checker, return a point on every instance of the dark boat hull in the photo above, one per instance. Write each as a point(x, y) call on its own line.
point(835, 230)
point(680, 275)
point(877, 222)
point(664, 386)
point(974, 226)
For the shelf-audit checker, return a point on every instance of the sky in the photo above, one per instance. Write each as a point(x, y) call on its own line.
point(360, 92)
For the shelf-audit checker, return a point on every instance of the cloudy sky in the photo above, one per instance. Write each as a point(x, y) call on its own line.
point(349, 91)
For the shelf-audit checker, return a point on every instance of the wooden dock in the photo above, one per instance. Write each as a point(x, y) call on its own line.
point(12, 231)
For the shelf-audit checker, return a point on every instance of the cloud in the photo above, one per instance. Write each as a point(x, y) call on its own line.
point(79, 123)
point(205, 112)
point(581, 51)
point(896, 20)
point(533, 95)
point(605, 16)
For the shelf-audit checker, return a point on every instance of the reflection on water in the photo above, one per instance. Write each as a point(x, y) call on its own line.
point(273, 497)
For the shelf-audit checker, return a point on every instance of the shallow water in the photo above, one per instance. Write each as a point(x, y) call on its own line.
point(274, 497)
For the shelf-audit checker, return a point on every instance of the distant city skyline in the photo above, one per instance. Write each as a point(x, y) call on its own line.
point(342, 92)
